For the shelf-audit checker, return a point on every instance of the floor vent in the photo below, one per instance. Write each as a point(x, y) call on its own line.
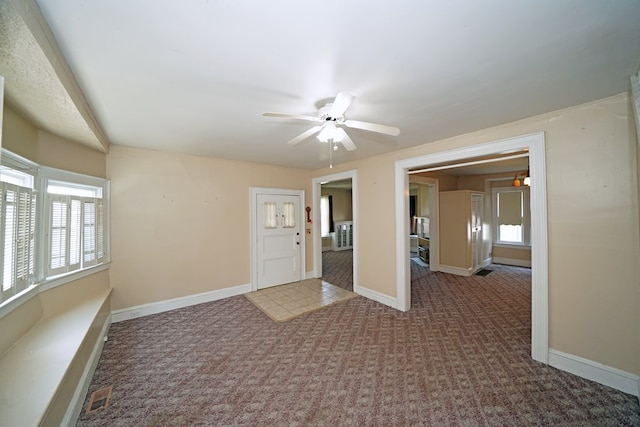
point(99, 399)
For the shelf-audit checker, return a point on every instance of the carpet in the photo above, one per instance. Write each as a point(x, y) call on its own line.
point(460, 357)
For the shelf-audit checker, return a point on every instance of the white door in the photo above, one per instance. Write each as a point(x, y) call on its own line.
point(476, 231)
point(278, 228)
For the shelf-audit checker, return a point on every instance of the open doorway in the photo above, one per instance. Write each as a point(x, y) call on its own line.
point(336, 230)
point(335, 247)
point(423, 221)
point(534, 145)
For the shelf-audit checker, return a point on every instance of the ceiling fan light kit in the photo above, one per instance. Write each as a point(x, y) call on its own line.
point(330, 117)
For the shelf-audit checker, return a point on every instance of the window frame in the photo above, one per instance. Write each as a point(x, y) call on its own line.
point(42, 279)
point(526, 217)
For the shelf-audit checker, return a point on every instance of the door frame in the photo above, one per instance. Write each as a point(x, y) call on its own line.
point(316, 191)
point(254, 192)
point(535, 144)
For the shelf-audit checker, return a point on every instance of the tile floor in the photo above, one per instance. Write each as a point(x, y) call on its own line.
point(284, 302)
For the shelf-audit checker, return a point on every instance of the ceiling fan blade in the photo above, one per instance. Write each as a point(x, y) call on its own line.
point(304, 135)
point(341, 103)
point(373, 127)
point(292, 116)
point(346, 141)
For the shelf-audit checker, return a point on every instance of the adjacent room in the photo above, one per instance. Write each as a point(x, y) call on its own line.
point(335, 213)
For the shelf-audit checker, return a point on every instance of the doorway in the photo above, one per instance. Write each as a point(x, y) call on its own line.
point(352, 231)
point(535, 145)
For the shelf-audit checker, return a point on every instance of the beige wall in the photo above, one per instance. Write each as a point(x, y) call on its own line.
point(594, 252)
point(342, 206)
point(520, 254)
point(22, 138)
point(180, 224)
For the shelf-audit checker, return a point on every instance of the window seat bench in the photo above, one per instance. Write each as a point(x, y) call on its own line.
point(46, 370)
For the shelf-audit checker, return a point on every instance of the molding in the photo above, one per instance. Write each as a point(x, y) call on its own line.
point(487, 262)
point(512, 261)
point(611, 377)
point(172, 304)
point(310, 275)
point(77, 401)
point(458, 271)
point(376, 296)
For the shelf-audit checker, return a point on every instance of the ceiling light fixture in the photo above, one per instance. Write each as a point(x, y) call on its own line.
point(526, 181)
point(331, 133)
point(527, 178)
point(516, 181)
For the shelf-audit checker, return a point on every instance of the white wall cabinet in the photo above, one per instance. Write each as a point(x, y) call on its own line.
point(343, 235)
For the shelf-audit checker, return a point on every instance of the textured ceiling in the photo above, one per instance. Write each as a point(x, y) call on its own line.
point(196, 76)
point(32, 86)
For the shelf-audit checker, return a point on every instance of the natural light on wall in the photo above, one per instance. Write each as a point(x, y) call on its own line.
point(324, 216)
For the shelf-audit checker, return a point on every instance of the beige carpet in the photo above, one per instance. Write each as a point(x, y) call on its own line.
point(284, 302)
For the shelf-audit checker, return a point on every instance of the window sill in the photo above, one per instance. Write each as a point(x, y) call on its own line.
point(17, 300)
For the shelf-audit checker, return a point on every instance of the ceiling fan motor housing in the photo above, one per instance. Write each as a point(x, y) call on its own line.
point(325, 114)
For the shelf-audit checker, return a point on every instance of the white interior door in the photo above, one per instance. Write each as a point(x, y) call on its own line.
point(279, 248)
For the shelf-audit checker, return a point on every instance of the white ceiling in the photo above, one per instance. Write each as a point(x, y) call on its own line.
point(195, 76)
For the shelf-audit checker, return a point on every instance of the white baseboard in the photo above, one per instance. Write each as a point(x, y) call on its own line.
point(376, 296)
point(455, 270)
point(310, 275)
point(594, 371)
point(511, 261)
point(75, 408)
point(172, 304)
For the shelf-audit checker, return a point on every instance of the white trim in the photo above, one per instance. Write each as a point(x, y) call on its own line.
point(77, 401)
point(458, 271)
point(254, 191)
point(309, 275)
point(316, 192)
point(512, 261)
point(172, 304)
point(377, 296)
point(535, 144)
point(595, 371)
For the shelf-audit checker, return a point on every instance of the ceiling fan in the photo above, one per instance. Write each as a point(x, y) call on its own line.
point(330, 117)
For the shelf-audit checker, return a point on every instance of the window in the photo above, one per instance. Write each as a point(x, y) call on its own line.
point(326, 215)
point(511, 216)
point(75, 213)
point(52, 222)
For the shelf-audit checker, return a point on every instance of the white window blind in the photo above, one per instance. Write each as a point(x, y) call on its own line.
point(75, 242)
point(288, 215)
point(17, 228)
point(511, 215)
point(270, 215)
